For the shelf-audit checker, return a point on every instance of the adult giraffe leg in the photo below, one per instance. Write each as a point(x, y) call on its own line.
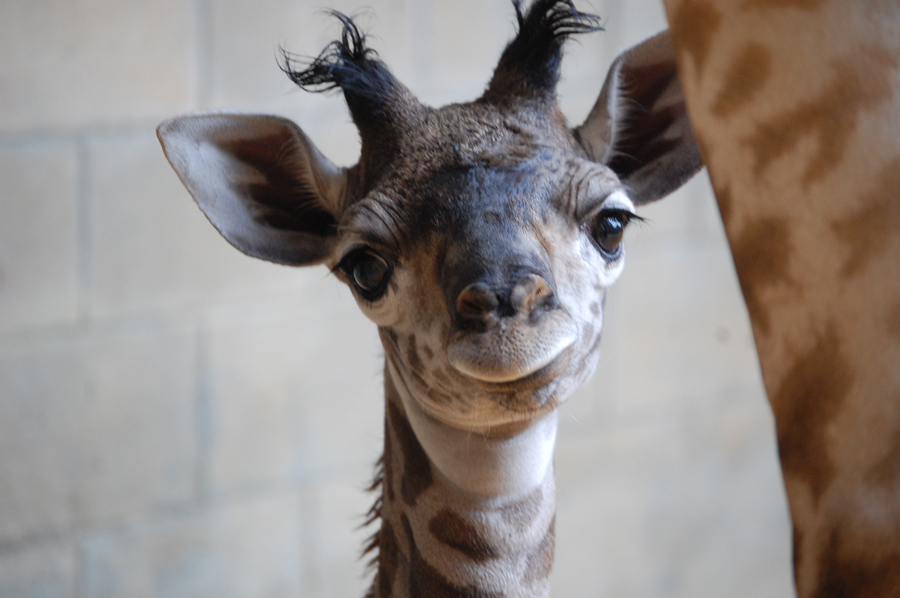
point(796, 107)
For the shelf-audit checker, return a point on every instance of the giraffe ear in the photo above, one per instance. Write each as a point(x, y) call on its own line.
point(639, 126)
point(260, 181)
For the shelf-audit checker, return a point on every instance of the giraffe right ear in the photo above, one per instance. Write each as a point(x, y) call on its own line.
point(261, 183)
point(639, 126)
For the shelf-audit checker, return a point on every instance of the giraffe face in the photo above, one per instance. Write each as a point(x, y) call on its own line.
point(485, 262)
point(479, 237)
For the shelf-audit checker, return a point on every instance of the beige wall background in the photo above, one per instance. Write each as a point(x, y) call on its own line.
point(177, 419)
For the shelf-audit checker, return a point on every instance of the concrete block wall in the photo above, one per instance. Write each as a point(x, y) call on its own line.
point(177, 419)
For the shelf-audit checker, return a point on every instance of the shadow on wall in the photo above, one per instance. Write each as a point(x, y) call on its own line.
point(178, 419)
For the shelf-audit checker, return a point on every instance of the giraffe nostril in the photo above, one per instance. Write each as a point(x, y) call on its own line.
point(477, 300)
point(531, 295)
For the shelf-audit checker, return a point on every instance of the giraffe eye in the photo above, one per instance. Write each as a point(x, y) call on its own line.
point(607, 231)
point(368, 271)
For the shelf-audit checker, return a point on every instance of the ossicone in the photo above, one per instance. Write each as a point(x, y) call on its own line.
point(529, 67)
point(380, 105)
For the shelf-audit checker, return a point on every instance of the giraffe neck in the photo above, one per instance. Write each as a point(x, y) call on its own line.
point(462, 514)
point(797, 107)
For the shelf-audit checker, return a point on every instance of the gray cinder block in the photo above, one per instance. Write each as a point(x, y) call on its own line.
point(95, 431)
point(38, 234)
point(70, 63)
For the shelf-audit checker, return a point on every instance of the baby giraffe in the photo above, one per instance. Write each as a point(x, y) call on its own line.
point(480, 238)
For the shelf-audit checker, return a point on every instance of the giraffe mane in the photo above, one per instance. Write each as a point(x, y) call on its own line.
point(373, 542)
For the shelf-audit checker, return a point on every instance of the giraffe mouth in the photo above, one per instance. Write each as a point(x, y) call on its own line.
point(536, 379)
point(515, 356)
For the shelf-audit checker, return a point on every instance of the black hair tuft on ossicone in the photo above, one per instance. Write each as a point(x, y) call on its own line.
point(350, 65)
point(530, 64)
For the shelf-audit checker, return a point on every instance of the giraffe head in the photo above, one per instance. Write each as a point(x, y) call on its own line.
point(479, 237)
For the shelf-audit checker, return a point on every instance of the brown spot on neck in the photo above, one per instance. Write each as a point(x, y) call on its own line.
point(425, 580)
point(761, 255)
point(868, 231)
point(456, 532)
point(388, 560)
point(387, 462)
point(860, 83)
point(693, 26)
point(810, 396)
point(746, 75)
point(416, 476)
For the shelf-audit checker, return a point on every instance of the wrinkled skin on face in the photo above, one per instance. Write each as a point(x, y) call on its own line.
point(495, 251)
point(479, 237)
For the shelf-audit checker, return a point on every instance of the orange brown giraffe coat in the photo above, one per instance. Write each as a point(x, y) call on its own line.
point(796, 106)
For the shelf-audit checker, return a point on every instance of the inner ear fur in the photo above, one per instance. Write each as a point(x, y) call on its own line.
point(639, 126)
point(261, 183)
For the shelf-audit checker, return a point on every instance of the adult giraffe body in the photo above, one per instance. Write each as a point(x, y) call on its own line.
point(796, 107)
point(481, 239)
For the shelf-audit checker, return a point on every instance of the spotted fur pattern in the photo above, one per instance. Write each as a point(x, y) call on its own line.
point(796, 105)
point(437, 540)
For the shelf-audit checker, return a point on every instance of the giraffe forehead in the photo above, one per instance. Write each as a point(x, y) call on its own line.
point(477, 203)
point(463, 137)
point(474, 171)
point(478, 132)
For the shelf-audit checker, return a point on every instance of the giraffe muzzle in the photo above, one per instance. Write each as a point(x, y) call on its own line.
point(510, 337)
point(515, 352)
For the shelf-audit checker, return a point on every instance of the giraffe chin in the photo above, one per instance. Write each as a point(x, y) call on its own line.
point(534, 381)
point(521, 398)
point(501, 415)
point(497, 407)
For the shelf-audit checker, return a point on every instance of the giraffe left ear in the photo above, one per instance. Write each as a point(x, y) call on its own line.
point(639, 126)
point(260, 181)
